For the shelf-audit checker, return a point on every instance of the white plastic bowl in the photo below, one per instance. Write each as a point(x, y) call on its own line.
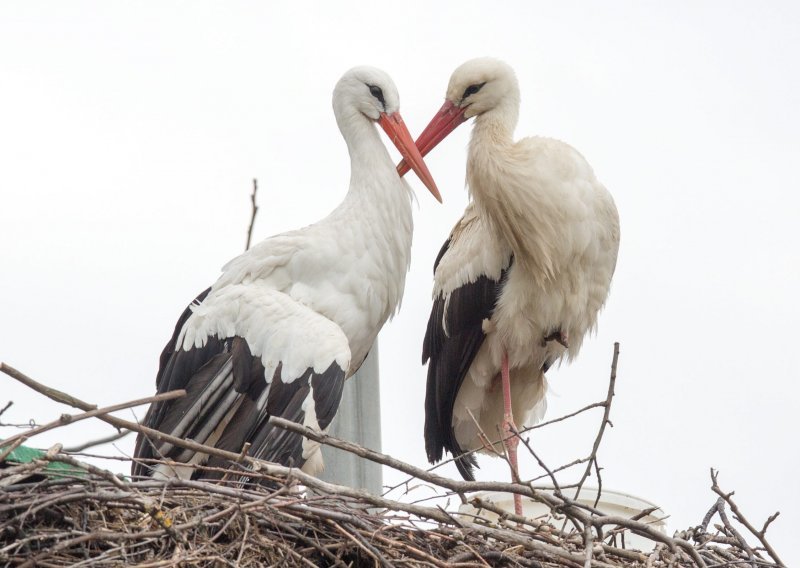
point(611, 502)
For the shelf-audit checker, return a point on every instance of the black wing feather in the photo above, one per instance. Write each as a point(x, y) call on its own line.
point(451, 355)
point(272, 443)
point(221, 373)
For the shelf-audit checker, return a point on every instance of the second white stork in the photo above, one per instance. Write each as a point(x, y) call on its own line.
point(522, 277)
point(293, 317)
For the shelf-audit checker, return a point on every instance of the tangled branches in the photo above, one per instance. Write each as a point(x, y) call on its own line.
point(87, 516)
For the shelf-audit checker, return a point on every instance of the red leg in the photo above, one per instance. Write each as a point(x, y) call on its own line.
point(509, 429)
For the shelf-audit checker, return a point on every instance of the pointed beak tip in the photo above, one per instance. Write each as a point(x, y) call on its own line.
point(395, 128)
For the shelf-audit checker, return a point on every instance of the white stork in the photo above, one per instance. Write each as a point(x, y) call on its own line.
point(293, 317)
point(522, 277)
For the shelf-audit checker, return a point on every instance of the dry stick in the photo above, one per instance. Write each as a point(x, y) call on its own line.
point(97, 442)
point(561, 468)
point(556, 486)
point(253, 215)
point(318, 547)
point(588, 546)
point(737, 535)
point(243, 453)
point(355, 541)
point(413, 550)
point(11, 447)
point(760, 535)
point(561, 418)
point(599, 437)
point(65, 419)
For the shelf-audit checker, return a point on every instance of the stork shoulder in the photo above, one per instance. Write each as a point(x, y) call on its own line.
point(276, 328)
point(472, 251)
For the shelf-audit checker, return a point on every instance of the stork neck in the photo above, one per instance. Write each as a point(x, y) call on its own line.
point(497, 126)
point(489, 152)
point(519, 209)
point(373, 179)
point(377, 215)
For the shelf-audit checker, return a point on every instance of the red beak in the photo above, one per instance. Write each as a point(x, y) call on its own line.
point(397, 132)
point(446, 120)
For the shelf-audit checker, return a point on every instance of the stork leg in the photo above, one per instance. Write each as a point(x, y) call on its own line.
point(511, 439)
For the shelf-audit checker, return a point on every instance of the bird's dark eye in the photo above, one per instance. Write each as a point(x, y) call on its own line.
point(377, 93)
point(472, 89)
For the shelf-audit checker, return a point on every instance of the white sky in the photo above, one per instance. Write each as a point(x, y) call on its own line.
point(130, 132)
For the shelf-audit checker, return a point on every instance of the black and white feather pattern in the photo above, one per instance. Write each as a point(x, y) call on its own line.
point(293, 317)
point(239, 367)
point(464, 299)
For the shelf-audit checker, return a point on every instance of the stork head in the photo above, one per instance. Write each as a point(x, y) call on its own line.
point(365, 90)
point(476, 87)
point(370, 93)
point(481, 85)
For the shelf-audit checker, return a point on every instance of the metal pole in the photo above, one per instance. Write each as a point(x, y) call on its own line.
point(359, 421)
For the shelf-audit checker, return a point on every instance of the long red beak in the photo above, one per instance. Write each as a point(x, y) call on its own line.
point(397, 132)
point(446, 120)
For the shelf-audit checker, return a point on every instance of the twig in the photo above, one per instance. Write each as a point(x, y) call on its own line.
point(760, 535)
point(11, 447)
point(239, 460)
point(49, 392)
point(562, 418)
point(253, 214)
point(97, 442)
point(599, 437)
point(588, 545)
point(6, 407)
point(65, 419)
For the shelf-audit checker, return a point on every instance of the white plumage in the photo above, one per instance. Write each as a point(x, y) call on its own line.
point(290, 319)
point(523, 274)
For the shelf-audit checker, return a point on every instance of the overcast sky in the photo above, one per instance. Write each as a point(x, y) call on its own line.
point(130, 133)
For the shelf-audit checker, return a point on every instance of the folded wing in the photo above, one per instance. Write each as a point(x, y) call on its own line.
point(245, 353)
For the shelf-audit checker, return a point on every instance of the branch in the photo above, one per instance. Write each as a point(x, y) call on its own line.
point(6, 407)
point(598, 439)
point(98, 442)
point(760, 535)
point(253, 215)
point(65, 419)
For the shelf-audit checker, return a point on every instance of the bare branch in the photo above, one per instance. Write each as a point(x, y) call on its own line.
point(6, 407)
point(742, 519)
point(98, 442)
point(65, 419)
point(599, 437)
point(253, 214)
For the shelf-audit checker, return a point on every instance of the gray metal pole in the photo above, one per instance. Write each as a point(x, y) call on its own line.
point(358, 420)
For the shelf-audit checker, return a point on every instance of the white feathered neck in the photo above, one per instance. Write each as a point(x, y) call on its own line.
point(514, 190)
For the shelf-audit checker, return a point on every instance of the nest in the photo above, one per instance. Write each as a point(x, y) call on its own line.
point(56, 510)
point(91, 517)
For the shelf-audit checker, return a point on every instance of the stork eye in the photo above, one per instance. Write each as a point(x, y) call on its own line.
point(472, 89)
point(377, 93)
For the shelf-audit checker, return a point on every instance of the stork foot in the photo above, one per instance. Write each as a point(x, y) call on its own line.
point(560, 336)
